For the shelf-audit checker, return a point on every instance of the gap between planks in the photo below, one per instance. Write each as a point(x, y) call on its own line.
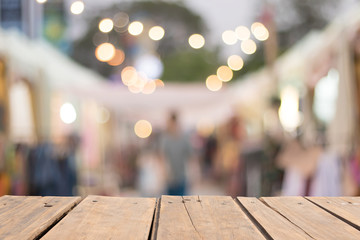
point(334, 214)
point(282, 215)
point(155, 221)
point(253, 220)
point(57, 221)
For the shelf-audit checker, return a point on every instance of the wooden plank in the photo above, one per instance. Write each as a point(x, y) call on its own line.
point(315, 221)
point(204, 217)
point(98, 217)
point(28, 217)
point(347, 208)
point(273, 223)
point(7, 203)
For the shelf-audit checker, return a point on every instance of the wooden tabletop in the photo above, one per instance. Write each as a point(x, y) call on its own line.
point(176, 217)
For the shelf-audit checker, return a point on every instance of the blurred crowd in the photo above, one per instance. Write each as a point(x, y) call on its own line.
point(171, 161)
point(178, 162)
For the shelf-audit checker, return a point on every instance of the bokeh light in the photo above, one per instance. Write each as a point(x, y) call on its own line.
point(242, 33)
point(229, 37)
point(248, 46)
point(135, 28)
point(224, 73)
point(289, 114)
point(106, 25)
point(260, 31)
point(105, 52)
point(196, 41)
point(134, 89)
point(149, 87)
point(41, 1)
point(150, 65)
point(143, 129)
point(213, 83)
point(118, 58)
point(129, 76)
point(156, 33)
point(67, 113)
point(159, 83)
point(141, 80)
point(235, 62)
point(121, 19)
point(77, 7)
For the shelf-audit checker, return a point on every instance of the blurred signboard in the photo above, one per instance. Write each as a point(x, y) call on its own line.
point(54, 25)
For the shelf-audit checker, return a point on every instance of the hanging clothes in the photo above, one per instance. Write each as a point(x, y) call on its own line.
point(294, 183)
point(300, 164)
point(327, 179)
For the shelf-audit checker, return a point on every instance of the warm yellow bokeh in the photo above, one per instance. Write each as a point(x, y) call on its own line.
point(196, 41)
point(41, 1)
point(105, 52)
point(229, 37)
point(213, 83)
point(106, 25)
point(149, 87)
point(143, 129)
point(159, 83)
point(77, 7)
point(224, 73)
point(242, 33)
point(129, 76)
point(134, 89)
point(156, 33)
point(140, 82)
point(248, 46)
point(235, 62)
point(135, 28)
point(256, 25)
point(118, 58)
point(260, 31)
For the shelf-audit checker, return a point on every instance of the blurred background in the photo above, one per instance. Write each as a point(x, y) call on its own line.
point(143, 98)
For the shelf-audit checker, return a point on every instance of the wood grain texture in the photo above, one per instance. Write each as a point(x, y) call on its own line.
point(345, 207)
point(28, 217)
point(315, 221)
point(98, 217)
point(273, 223)
point(204, 217)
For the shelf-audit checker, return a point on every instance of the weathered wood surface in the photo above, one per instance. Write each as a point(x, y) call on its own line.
point(176, 217)
point(204, 218)
point(28, 217)
point(315, 221)
point(273, 223)
point(346, 208)
point(99, 217)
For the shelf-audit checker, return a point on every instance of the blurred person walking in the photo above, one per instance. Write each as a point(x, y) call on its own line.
point(151, 177)
point(176, 152)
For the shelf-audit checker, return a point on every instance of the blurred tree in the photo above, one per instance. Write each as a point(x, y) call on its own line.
point(294, 19)
point(181, 62)
point(190, 65)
